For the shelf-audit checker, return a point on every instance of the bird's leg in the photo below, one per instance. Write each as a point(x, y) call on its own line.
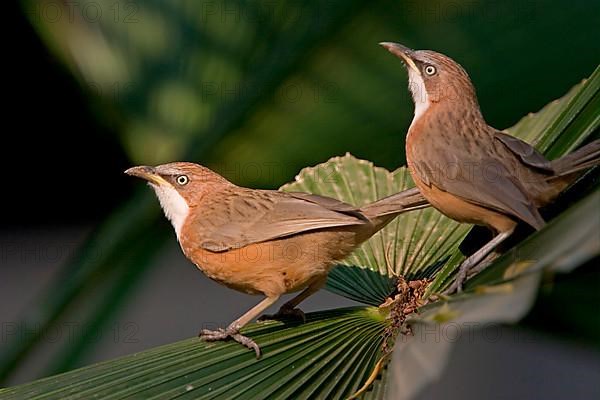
point(471, 263)
point(483, 264)
point(233, 330)
point(289, 308)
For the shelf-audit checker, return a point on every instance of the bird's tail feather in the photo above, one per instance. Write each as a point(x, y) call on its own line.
point(407, 200)
point(583, 158)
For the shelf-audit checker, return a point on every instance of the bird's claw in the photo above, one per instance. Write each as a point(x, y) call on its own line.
point(457, 285)
point(461, 278)
point(230, 333)
point(284, 313)
point(467, 270)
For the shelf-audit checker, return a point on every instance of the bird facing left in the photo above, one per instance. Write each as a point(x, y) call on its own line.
point(265, 242)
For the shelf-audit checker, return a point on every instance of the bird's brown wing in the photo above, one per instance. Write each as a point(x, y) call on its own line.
point(329, 203)
point(526, 152)
point(245, 217)
point(478, 176)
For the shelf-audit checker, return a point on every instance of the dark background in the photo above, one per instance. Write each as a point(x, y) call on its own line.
point(62, 161)
point(65, 146)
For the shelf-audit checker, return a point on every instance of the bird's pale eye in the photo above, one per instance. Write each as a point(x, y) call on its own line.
point(182, 180)
point(430, 70)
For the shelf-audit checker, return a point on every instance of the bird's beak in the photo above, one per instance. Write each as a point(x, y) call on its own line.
point(147, 173)
point(402, 52)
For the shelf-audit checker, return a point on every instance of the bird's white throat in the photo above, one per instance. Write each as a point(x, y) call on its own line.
point(173, 204)
point(419, 93)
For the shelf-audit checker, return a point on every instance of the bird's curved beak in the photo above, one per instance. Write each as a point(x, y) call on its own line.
point(147, 173)
point(402, 52)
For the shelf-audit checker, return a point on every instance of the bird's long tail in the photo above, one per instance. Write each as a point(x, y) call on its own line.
point(583, 158)
point(407, 200)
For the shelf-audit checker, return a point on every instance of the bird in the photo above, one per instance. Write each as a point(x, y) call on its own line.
point(263, 242)
point(470, 171)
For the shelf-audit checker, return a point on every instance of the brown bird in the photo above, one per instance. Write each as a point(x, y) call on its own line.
point(263, 241)
point(468, 170)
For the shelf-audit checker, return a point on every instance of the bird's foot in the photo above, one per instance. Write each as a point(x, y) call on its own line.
point(461, 277)
point(477, 262)
point(467, 269)
point(230, 333)
point(285, 313)
point(457, 285)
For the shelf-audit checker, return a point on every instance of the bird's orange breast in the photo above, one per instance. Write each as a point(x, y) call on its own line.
point(274, 267)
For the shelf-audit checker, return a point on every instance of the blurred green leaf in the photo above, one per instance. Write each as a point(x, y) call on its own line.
point(435, 329)
point(565, 123)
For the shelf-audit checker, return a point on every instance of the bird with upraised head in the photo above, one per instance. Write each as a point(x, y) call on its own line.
point(265, 242)
point(468, 170)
